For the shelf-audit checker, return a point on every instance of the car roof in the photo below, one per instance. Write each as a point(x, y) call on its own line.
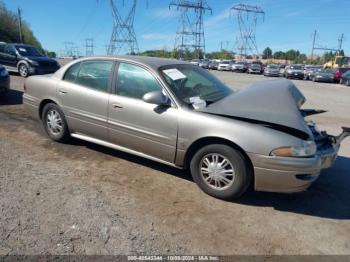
point(153, 62)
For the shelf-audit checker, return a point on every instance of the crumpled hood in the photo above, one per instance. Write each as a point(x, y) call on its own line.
point(273, 103)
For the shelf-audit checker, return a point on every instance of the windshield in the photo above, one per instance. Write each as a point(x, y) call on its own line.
point(296, 67)
point(272, 67)
point(190, 84)
point(28, 51)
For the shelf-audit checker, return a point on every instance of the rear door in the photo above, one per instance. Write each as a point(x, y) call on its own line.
point(137, 125)
point(84, 93)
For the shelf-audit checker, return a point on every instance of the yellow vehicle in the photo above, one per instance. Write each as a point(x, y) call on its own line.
point(339, 61)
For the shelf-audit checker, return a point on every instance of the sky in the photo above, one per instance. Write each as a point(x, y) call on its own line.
point(287, 24)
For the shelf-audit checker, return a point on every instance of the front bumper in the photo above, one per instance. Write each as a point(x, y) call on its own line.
point(272, 73)
point(4, 84)
point(288, 174)
point(295, 75)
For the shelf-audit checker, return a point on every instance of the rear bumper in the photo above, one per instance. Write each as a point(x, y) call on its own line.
point(287, 174)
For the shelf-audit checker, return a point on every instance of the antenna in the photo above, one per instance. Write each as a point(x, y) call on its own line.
point(190, 32)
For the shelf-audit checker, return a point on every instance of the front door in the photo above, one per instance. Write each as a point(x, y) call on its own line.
point(137, 125)
point(84, 93)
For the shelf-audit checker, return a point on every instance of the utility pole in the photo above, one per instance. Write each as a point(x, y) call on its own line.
point(247, 16)
point(340, 40)
point(123, 33)
point(89, 46)
point(313, 44)
point(190, 31)
point(19, 11)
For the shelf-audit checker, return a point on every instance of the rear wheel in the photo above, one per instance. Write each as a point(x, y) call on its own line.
point(221, 171)
point(55, 123)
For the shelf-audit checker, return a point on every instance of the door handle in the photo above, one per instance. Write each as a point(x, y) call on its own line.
point(62, 91)
point(117, 106)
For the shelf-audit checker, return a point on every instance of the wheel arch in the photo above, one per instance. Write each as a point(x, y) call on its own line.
point(22, 62)
point(204, 141)
point(43, 103)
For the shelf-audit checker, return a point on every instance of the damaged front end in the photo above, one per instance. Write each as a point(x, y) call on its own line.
point(328, 145)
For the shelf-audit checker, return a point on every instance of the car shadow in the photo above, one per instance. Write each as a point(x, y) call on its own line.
point(11, 97)
point(328, 197)
point(183, 174)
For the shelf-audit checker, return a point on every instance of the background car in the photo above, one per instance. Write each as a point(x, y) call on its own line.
point(195, 62)
point(213, 65)
point(339, 72)
point(324, 75)
point(345, 78)
point(26, 60)
point(239, 67)
point(225, 66)
point(309, 70)
point(254, 69)
point(4, 80)
point(204, 64)
point(294, 71)
point(282, 69)
point(272, 70)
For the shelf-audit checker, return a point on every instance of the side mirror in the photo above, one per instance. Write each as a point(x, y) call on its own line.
point(157, 98)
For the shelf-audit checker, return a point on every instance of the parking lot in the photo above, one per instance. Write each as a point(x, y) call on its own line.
point(86, 199)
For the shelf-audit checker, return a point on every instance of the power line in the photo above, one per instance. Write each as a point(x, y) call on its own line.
point(190, 32)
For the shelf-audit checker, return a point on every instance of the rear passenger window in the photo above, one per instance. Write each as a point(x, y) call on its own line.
point(95, 74)
point(72, 73)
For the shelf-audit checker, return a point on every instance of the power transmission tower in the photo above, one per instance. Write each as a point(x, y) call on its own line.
point(247, 16)
point(316, 46)
point(19, 11)
point(89, 46)
point(123, 35)
point(190, 32)
point(69, 46)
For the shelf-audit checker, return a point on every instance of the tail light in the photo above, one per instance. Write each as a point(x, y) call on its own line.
point(24, 88)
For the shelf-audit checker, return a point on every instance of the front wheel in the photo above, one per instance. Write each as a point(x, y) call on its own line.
point(55, 123)
point(221, 171)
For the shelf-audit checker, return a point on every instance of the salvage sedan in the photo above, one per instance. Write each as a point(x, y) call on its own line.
point(180, 115)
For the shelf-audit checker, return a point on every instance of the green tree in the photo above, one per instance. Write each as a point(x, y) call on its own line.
point(9, 30)
point(267, 53)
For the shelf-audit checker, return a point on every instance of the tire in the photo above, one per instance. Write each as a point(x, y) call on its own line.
point(58, 130)
point(239, 180)
point(23, 70)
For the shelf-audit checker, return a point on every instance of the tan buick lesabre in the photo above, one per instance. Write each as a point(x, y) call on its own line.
point(179, 114)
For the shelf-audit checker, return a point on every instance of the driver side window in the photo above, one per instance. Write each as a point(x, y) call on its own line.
point(134, 81)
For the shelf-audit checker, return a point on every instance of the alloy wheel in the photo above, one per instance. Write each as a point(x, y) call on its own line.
point(217, 171)
point(54, 122)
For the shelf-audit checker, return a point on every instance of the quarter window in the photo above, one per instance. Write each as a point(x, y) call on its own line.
point(134, 81)
point(72, 73)
point(95, 74)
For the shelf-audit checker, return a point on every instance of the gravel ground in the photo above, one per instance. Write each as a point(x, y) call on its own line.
point(81, 198)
